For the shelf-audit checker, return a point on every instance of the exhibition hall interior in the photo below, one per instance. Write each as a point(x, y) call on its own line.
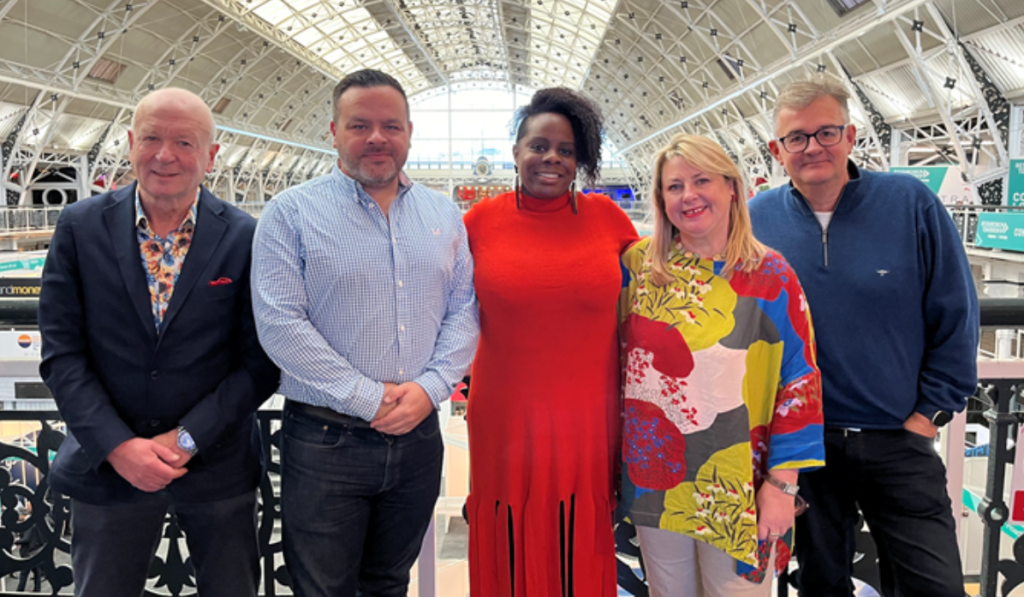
point(936, 95)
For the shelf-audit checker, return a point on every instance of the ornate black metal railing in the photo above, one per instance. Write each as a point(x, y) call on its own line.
point(1004, 417)
point(1005, 413)
point(28, 506)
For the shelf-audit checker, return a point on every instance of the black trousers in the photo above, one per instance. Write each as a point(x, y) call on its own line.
point(899, 483)
point(112, 545)
point(37, 574)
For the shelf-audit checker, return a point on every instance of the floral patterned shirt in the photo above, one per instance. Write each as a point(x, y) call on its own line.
point(162, 258)
point(720, 386)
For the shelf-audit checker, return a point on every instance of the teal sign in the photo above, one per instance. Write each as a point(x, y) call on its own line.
point(1000, 231)
point(23, 264)
point(1015, 188)
point(933, 176)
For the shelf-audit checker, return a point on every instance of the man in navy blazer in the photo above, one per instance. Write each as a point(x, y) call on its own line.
point(150, 351)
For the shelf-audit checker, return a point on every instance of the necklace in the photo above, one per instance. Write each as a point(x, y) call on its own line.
point(715, 257)
point(693, 254)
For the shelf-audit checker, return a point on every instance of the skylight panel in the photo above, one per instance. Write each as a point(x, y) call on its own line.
point(579, 32)
point(300, 5)
point(596, 11)
point(378, 36)
point(310, 37)
point(273, 12)
point(106, 70)
point(334, 56)
point(343, 34)
point(356, 45)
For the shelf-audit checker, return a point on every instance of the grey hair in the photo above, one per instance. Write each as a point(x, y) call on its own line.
point(800, 94)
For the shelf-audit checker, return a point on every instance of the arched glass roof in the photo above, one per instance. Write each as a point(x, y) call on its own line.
point(473, 121)
point(932, 79)
point(428, 43)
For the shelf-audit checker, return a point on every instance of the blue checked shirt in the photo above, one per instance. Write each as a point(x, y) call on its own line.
point(346, 299)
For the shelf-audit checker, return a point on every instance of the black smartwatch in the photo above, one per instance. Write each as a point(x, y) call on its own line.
point(941, 417)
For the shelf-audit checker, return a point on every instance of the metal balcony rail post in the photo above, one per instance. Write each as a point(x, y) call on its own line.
point(999, 386)
point(993, 509)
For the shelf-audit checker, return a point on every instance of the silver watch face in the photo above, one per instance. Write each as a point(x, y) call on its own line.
point(185, 441)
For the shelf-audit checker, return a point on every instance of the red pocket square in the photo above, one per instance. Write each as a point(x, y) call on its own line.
point(220, 282)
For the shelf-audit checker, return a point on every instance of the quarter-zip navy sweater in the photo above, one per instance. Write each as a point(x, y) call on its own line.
point(891, 295)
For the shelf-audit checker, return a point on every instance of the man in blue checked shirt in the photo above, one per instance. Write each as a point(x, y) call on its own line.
point(363, 293)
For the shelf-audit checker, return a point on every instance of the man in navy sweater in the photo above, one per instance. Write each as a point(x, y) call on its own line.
point(896, 322)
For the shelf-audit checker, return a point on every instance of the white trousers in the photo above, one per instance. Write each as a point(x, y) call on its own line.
point(680, 566)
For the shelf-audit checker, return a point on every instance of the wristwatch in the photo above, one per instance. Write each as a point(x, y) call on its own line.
point(786, 488)
point(941, 417)
point(185, 441)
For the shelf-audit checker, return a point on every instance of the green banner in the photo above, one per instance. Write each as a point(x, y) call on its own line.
point(1000, 231)
point(1015, 188)
point(933, 176)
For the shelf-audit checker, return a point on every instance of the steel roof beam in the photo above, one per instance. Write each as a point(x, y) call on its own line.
point(840, 36)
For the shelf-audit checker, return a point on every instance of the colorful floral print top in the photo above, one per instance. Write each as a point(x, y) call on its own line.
point(162, 258)
point(720, 386)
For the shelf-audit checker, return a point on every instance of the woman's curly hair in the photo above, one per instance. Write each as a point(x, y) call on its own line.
point(585, 118)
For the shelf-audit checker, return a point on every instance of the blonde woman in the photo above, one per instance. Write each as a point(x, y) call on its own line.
point(722, 393)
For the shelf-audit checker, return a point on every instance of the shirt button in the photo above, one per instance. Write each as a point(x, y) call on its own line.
point(399, 283)
point(154, 375)
point(401, 327)
point(401, 371)
point(394, 240)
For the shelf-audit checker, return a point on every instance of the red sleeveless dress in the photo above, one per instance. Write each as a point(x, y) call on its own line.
point(544, 407)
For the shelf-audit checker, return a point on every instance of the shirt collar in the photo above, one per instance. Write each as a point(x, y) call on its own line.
point(360, 195)
point(140, 214)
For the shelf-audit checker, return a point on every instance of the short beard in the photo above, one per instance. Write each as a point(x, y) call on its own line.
point(355, 171)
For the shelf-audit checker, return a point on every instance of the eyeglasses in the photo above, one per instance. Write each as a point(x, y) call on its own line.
point(827, 136)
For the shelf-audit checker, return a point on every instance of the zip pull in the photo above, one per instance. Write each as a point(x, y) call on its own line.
point(824, 244)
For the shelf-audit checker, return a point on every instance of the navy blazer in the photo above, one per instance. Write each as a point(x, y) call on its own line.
point(114, 378)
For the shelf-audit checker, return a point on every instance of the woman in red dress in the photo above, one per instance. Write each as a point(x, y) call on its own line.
point(544, 408)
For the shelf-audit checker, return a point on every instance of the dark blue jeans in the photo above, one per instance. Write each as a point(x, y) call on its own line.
point(355, 503)
point(899, 483)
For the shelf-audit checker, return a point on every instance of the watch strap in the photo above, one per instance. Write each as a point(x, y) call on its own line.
point(784, 487)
